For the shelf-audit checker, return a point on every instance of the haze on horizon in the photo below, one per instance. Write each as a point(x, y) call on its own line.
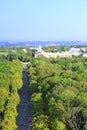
point(43, 20)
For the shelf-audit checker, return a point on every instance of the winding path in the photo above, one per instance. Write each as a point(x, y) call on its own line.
point(24, 112)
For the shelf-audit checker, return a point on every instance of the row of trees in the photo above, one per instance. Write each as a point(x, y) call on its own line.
point(10, 83)
point(58, 93)
point(56, 48)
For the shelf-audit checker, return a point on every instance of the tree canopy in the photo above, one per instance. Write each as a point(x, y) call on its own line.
point(58, 91)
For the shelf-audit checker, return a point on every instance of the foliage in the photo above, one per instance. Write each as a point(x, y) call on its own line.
point(56, 48)
point(10, 83)
point(58, 91)
point(18, 53)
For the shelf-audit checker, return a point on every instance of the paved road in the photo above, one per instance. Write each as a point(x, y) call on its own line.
point(24, 112)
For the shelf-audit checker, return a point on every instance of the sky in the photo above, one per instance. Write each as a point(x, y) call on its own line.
point(52, 20)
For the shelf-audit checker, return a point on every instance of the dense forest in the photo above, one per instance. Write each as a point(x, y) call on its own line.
point(58, 93)
point(57, 90)
point(10, 83)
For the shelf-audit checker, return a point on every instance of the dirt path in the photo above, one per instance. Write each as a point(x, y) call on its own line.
point(24, 113)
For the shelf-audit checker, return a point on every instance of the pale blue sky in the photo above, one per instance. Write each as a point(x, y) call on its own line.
point(43, 20)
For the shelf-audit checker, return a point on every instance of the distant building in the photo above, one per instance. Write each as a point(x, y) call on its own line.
point(72, 52)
